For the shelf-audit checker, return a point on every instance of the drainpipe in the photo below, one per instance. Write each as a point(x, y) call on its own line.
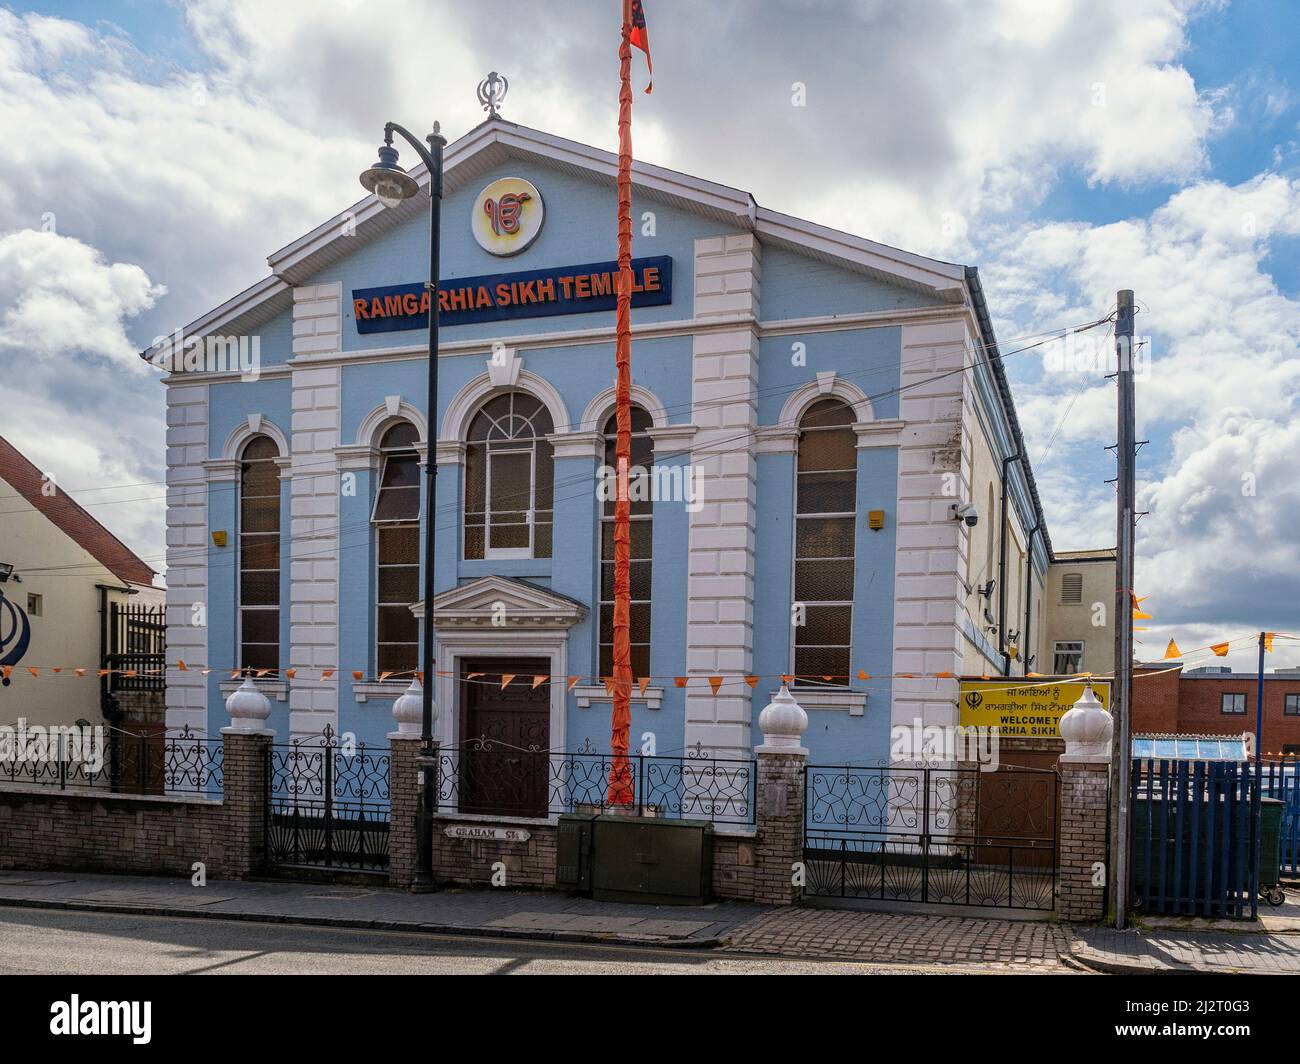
point(1002, 568)
point(1029, 593)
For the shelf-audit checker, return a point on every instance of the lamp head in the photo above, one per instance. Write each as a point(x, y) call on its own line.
point(387, 180)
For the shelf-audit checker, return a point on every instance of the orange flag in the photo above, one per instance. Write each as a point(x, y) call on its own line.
point(384, 676)
point(715, 682)
point(752, 681)
point(1172, 652)
point(863, 674)
point(680, 681)
point(1220, 649)
point(326, 673)
point(608, 681)
point(506, 677)
point(57, 670)
point(290, 673)
point(573, 682)
point(34, 672)
point(538, 680)
point(643, 683)
point(181, 665)
point(1268, 641)
point(80, 672)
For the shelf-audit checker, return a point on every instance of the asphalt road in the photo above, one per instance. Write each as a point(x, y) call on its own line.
point(52, 942)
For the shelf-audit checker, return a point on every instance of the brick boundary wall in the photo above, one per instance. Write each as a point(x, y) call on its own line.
point(98, 831)
point(403, 809)
point(1083, 823)
point(780, 817)
point(529, 864)
point(733, 866)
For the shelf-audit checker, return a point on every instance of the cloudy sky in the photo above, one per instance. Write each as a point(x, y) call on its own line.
point(155, 152)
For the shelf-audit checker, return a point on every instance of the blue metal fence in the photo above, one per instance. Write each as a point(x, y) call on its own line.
point(1281, 780)
point(1193, 833)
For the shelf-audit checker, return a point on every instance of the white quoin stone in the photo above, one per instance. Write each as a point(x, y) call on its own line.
point(1086, 728)
point(248, 708)
point(408, 711)
point(783, 722)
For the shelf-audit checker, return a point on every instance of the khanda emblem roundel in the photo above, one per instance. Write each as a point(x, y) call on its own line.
point(507, 216)
point(15, 634)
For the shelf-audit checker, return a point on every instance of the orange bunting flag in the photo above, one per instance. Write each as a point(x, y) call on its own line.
point(473, 675)
point(752, 681)
point(384, 676)
point(205, 671)
point(944, 675)
point(1268, 641)
point(715, 682)
point(640, 37)
point(57, 670)
point(608, 681)
point(573, 682)
point(643, 683)
point(5, 670)
point(906, 675)
point(181, 665)
point(680, 681)
point(326, 673)
point(539, 680)
point(234, 674)
point(80, 672)
point(290, 673)
point(105, 672)
point(1220, 649)
point(1172, 652)
point(787, 678)
point(863, 674)
point(506, 677)
point(34, 672)
point(1138, 615)
point(357, 674)
point(262, 672)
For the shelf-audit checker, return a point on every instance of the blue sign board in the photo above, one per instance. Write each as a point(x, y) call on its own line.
point(505, 296)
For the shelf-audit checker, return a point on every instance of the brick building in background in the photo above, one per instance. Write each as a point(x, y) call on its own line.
point(1214, 700)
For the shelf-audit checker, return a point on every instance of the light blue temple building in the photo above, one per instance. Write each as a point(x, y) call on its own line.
point(824, 422)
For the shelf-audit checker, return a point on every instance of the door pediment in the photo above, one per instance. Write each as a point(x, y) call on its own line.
point(502, 602)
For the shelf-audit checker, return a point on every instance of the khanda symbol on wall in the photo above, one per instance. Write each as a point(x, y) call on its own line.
point(15, 634)
point(503, 214)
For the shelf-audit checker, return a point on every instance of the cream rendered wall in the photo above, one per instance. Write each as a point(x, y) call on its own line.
point(66, 634)
point(1080, 621)
point(984, 489)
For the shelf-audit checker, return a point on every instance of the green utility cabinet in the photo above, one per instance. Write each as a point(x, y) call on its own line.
point(573, 844)
point(652, 860)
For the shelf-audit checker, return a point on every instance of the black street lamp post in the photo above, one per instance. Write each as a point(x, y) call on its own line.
point(392, 185)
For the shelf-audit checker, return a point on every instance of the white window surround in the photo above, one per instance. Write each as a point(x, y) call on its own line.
point(855, 702)
point(469, 400)
point(600, 408)
point(269, 686)
point(586, 694)
point(389, 690)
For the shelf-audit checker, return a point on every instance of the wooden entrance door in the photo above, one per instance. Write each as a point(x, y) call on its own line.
point(505, 760)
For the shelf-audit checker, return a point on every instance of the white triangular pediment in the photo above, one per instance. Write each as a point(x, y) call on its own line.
point(503, 603)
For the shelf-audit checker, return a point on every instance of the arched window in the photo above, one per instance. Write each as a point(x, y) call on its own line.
point(396, 518)
point(259, 555)
point(509, 474)
point(824, 539)
point(641, 533)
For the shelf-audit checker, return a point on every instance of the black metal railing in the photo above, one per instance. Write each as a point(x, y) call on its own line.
point(939, 835)
point(134, 647)
point(484, 776)
point(328, 803)
point(114, 759)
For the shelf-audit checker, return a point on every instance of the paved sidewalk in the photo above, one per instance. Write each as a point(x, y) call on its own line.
point(904, 938)
point(502, 913)
point(1162, 951)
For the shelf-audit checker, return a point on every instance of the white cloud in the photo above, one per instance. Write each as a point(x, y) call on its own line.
point(59, 298)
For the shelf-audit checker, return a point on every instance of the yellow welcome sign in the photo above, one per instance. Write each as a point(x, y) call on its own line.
point(1031, 711)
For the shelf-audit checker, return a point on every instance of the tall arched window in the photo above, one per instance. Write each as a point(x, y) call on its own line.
point(259, 555)
point(396, 518)
point(824, 539)
point(509, 476)
point(641, 533)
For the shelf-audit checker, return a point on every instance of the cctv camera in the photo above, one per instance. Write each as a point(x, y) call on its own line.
point(965, 512)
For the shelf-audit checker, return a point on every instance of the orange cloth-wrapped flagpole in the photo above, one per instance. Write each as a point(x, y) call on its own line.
point(620, 769)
